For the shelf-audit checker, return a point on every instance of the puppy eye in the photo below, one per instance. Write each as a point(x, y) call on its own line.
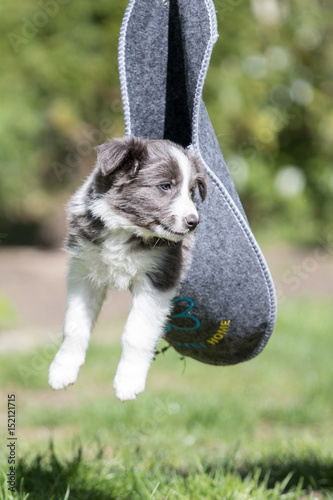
point(166, 186)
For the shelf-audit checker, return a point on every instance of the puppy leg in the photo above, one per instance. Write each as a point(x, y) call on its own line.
point(144, 326)
point(83, 305)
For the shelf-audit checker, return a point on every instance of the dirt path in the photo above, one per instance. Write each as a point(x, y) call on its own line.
point(33, 281)
point(301, 271)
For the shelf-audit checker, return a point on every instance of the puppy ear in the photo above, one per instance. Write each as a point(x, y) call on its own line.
point(125, 152)
point(202, 179)
point(202, 185)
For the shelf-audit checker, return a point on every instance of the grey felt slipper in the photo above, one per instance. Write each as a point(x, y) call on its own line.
point(226, 309)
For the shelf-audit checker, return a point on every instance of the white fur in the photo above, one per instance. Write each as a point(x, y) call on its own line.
point(144, 326)
point(99, 267)
point(183, 205)
point(83, 305)
point(88, 279)
point(113, 264)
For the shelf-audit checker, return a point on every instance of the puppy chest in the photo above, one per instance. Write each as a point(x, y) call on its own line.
point(121, 265)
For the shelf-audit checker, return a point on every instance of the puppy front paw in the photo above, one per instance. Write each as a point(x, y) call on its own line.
point(62, 374)
point(129, 382)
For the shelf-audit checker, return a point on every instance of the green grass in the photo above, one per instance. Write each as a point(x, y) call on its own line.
point(7, 312)
point(259, 430)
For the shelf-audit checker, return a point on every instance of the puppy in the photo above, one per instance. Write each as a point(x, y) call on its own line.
point(131, 226)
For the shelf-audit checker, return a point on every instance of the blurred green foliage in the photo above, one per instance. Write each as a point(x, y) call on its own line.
point(7, 311)
point(268, 91)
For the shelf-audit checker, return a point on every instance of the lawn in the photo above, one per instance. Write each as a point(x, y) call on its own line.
point(259, 430)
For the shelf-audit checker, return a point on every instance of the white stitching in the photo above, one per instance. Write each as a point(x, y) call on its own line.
point(234, 209)
point(122, 67)
point(203, 71)
point(257, 251)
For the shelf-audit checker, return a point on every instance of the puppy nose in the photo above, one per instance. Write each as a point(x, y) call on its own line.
point(191, 221)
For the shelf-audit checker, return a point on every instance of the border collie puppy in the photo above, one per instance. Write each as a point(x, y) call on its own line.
point(131, 226)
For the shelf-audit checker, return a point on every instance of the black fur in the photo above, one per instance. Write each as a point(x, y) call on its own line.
point(169, 269)
point(128, 179)
point(87, 227)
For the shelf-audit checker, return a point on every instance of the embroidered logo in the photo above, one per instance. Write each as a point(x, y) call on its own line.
point(221, 332)
point(194, 324)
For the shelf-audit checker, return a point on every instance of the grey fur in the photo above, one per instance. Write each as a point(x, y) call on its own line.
point(128, 175)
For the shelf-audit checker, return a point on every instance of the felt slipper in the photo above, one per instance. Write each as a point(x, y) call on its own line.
point(226, 308)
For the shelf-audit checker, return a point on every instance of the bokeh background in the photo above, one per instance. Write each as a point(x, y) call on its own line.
point(196, 432)
point(268, 91)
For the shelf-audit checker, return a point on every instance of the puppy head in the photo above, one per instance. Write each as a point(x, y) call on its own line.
point(151, 183)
